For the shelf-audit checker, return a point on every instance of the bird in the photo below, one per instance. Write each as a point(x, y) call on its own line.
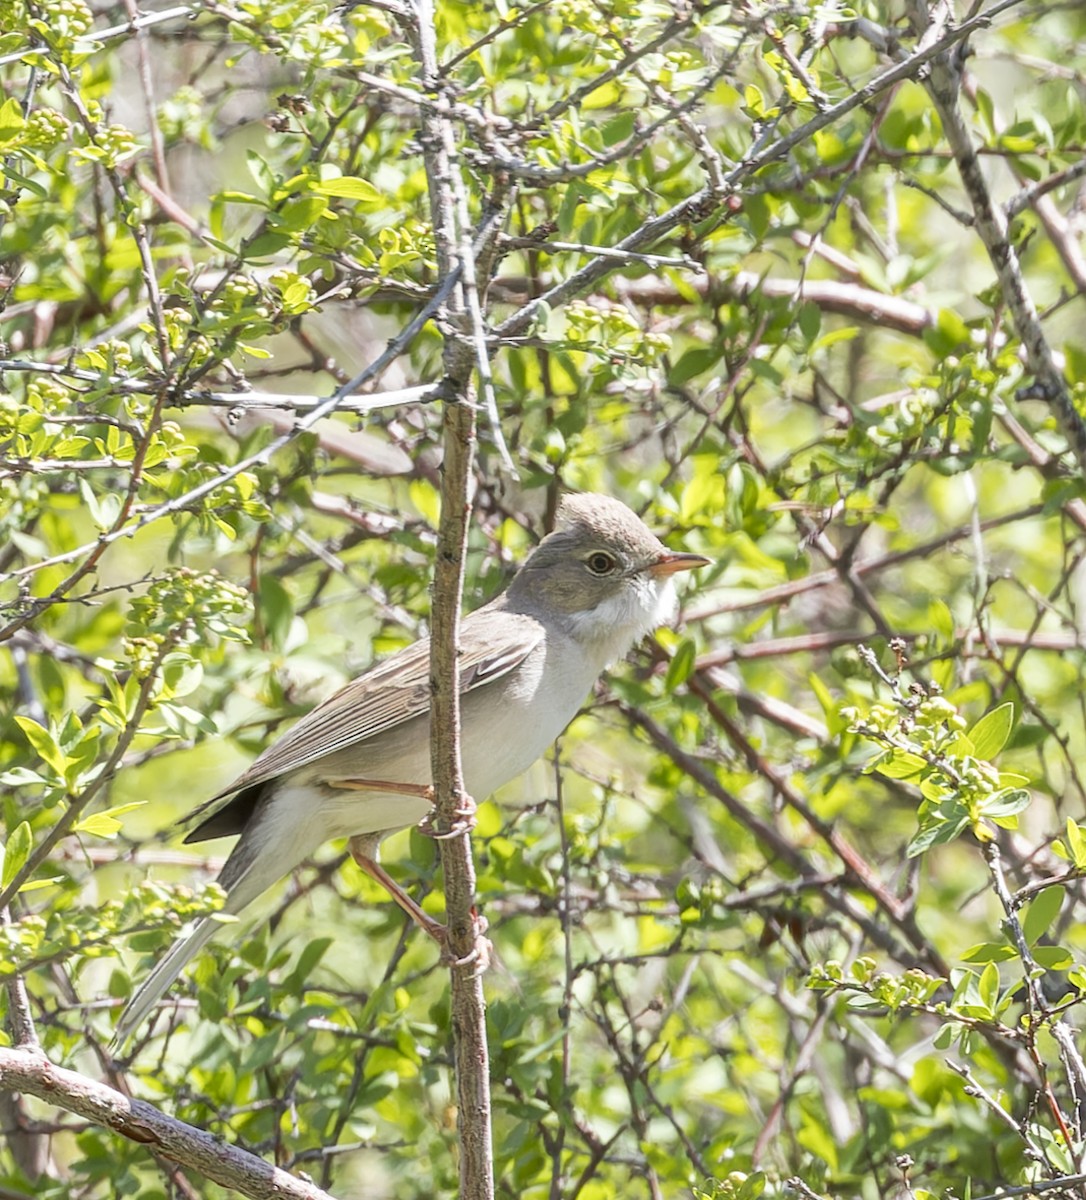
point(358, 765)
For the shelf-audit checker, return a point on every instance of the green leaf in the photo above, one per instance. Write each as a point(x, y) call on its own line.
point(348, 187)
point(427, 501)
point(300, 213)
point(988, 986)
point(12, 121)
point(949, 333)
point(1052, 958)
point(810, 321)
point(1005, 804)
point(902, 764)
point(266, 244)
point(681, 666)
point(1042, 911)
point(1075, 360)
point(105, 823)
point(16, 852)
point(307, 960)
point(22, 777)
point(693, 362)
point(941, 620)
point(618, 128)
point(936, 834)
point(944, 1038)
point(989, 735)
point(44, 743)
point(987, 952)
point(1076, 844)
point(34, 885)
point(276, 609)
point(567, 212)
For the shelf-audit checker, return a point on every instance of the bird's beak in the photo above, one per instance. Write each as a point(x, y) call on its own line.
point(670, 563)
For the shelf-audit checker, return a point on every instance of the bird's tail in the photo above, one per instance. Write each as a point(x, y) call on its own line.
point(155, 986)
point(267, 850)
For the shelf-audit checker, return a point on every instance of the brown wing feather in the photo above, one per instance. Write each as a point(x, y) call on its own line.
point(392, 692)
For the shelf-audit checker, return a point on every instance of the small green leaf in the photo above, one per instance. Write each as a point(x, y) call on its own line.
point(44, 743)
point(266, 244)
point(936, 834)
point(300, 213)
point(988, 986)
point(618, 128)
point(942, 621)
point(12, 121)
point(34, 885)
point(945, 1037)
point(1052, 958)
point(902, 764)
point(1076, 844)
point(989, 735)
point(988, 952)
point(105, 824)
point(1005, 804)
point(948, 335)
point(427, 501)
point(693, 362)
point(22, 777)
point(276, 609)
point(349, 187)
point(98, 825)
point(681, 666)
point(17, 852)
point(307, 960)
point(1042, 911)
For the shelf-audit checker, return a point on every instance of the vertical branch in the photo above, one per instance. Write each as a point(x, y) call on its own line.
point(466, 946)
point(31, 1151)
point(944, 85)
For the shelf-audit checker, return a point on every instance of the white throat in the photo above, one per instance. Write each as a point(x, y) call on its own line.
point(613, 626)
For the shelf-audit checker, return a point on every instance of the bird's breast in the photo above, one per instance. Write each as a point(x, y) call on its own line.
point(512, 722)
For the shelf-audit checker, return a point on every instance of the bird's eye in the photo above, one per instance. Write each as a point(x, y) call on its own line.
point(601, 563)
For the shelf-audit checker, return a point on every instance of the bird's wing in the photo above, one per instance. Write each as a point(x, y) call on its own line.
point(393, 692)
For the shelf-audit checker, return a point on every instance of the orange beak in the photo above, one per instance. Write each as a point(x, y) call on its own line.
point(670, 563)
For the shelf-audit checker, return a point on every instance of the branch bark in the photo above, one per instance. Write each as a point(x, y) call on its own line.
point(465, 340)
point(30, 1072)
point(944, 86)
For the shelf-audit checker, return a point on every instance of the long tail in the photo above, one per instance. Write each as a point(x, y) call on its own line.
point(155, 986)
point(274, 844)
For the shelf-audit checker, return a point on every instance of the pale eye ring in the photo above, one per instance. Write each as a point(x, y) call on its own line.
point(599, 562)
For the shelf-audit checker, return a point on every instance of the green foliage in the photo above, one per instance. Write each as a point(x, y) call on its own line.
point(779, 918)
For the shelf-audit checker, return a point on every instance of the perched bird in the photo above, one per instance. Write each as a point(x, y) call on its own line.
point(358, 765)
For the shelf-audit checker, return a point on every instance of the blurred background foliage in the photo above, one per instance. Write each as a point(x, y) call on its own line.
point(750, 921)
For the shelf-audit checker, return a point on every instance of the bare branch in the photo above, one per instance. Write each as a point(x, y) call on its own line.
point(991, 224)
point(31, 1072)
point(454, 807)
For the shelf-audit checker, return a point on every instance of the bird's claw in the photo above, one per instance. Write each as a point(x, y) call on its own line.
point(478, 956)
point(463, 821)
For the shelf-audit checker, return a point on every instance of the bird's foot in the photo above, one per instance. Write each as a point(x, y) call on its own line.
point(478, 956)
point(463, 821)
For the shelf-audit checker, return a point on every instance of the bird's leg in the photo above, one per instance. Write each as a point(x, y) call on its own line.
point(463, 814)
point(423, 790)
point(358, 847)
